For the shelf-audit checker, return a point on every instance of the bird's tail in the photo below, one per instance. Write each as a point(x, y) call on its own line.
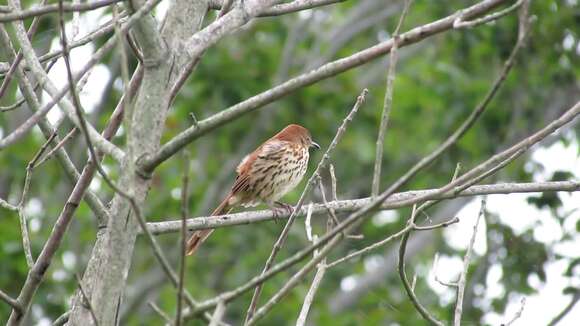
point(198, 237)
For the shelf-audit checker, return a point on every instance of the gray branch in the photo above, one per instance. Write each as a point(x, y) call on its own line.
point(343, 206)
point(328, 70)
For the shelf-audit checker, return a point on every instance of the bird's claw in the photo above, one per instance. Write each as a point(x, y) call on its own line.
point(279, 208)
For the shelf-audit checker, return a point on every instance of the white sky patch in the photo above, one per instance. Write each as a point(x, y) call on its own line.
point(348, 283)
point(95, 184)
point(373, 262)
point(120, 131)
point(458, 235)
point(44, 322)
point(558, 157)
point(385, 217)
point(35, 225)
point(542, 307)
point(92, 93)
point(33, 207)
point(69, 260)
point(448, 269)
point(514, 211)
point(176, 193)
point(59, 275)
point(161, 10)
point(568, 42)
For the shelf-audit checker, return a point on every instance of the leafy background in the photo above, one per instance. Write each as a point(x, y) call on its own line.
point(439, 81)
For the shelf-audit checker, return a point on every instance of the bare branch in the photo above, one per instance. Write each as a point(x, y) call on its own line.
point(460, 23)
point(87, 300)
point(357, 217)
point(183, 237)
point(402, 274)
point(566, 310)
point(19, 56)
point(218, 314)
point(436, 274)
point(463, 275)
point(437, 226)
point(281, 9)
point(293, 281)
point(23, 220)
point(9, 300)
point(320, 270)
point(63, 319)
point(160, 312)
point(342, 206)
point(284, 234)
point(328, 70)
point(19, 14)
point(42, 77)
point(98, 32)
point(66, 138)
point(387, 103)
point(518, 313)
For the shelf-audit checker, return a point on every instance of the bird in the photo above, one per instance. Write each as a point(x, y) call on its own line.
point(265, 175)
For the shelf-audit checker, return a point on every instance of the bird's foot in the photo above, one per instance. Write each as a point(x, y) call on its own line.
point(280, 209)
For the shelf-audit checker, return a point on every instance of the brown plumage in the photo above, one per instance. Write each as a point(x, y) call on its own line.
point(265, 175)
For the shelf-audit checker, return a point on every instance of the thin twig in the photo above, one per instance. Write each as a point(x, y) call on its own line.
point(460, 23)
point(464, 127)
point(387, 103)
point(65, 7)
point(518, 313)
point(436, 274)
point(295, 279)
point(328, 70)
point(100, 31)
point(456, 172)
point(463, 276)
point(333, 182)
point(283, 8)
point(436, 226)
point(160, 312)
point(331, 212)
point(307, 224)
point(566, 310)
point(87, 300)
point(63, 141)
point(321, 269)
point(284, 234)
point(9, 300)
point(369, 248)
point(403, 275)
point(183, 238)
point(58, 94)
point(62, 319)
point(19, 56)
point(226, 5)
point(329, 240)
point(218, 314)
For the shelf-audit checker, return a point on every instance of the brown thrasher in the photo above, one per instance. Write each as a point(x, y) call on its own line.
point(265, 175)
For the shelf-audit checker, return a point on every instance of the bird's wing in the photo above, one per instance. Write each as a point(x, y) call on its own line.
point(267, 151)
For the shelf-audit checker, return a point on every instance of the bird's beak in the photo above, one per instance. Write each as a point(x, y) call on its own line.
point(315, 145)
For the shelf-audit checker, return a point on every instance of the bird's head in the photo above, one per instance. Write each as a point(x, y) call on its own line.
point(297, 134)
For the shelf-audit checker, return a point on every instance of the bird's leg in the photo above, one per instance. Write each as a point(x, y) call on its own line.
point(280, 208)
point(285, 206)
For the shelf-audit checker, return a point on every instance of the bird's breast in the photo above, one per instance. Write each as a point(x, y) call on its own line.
point(273, 178)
